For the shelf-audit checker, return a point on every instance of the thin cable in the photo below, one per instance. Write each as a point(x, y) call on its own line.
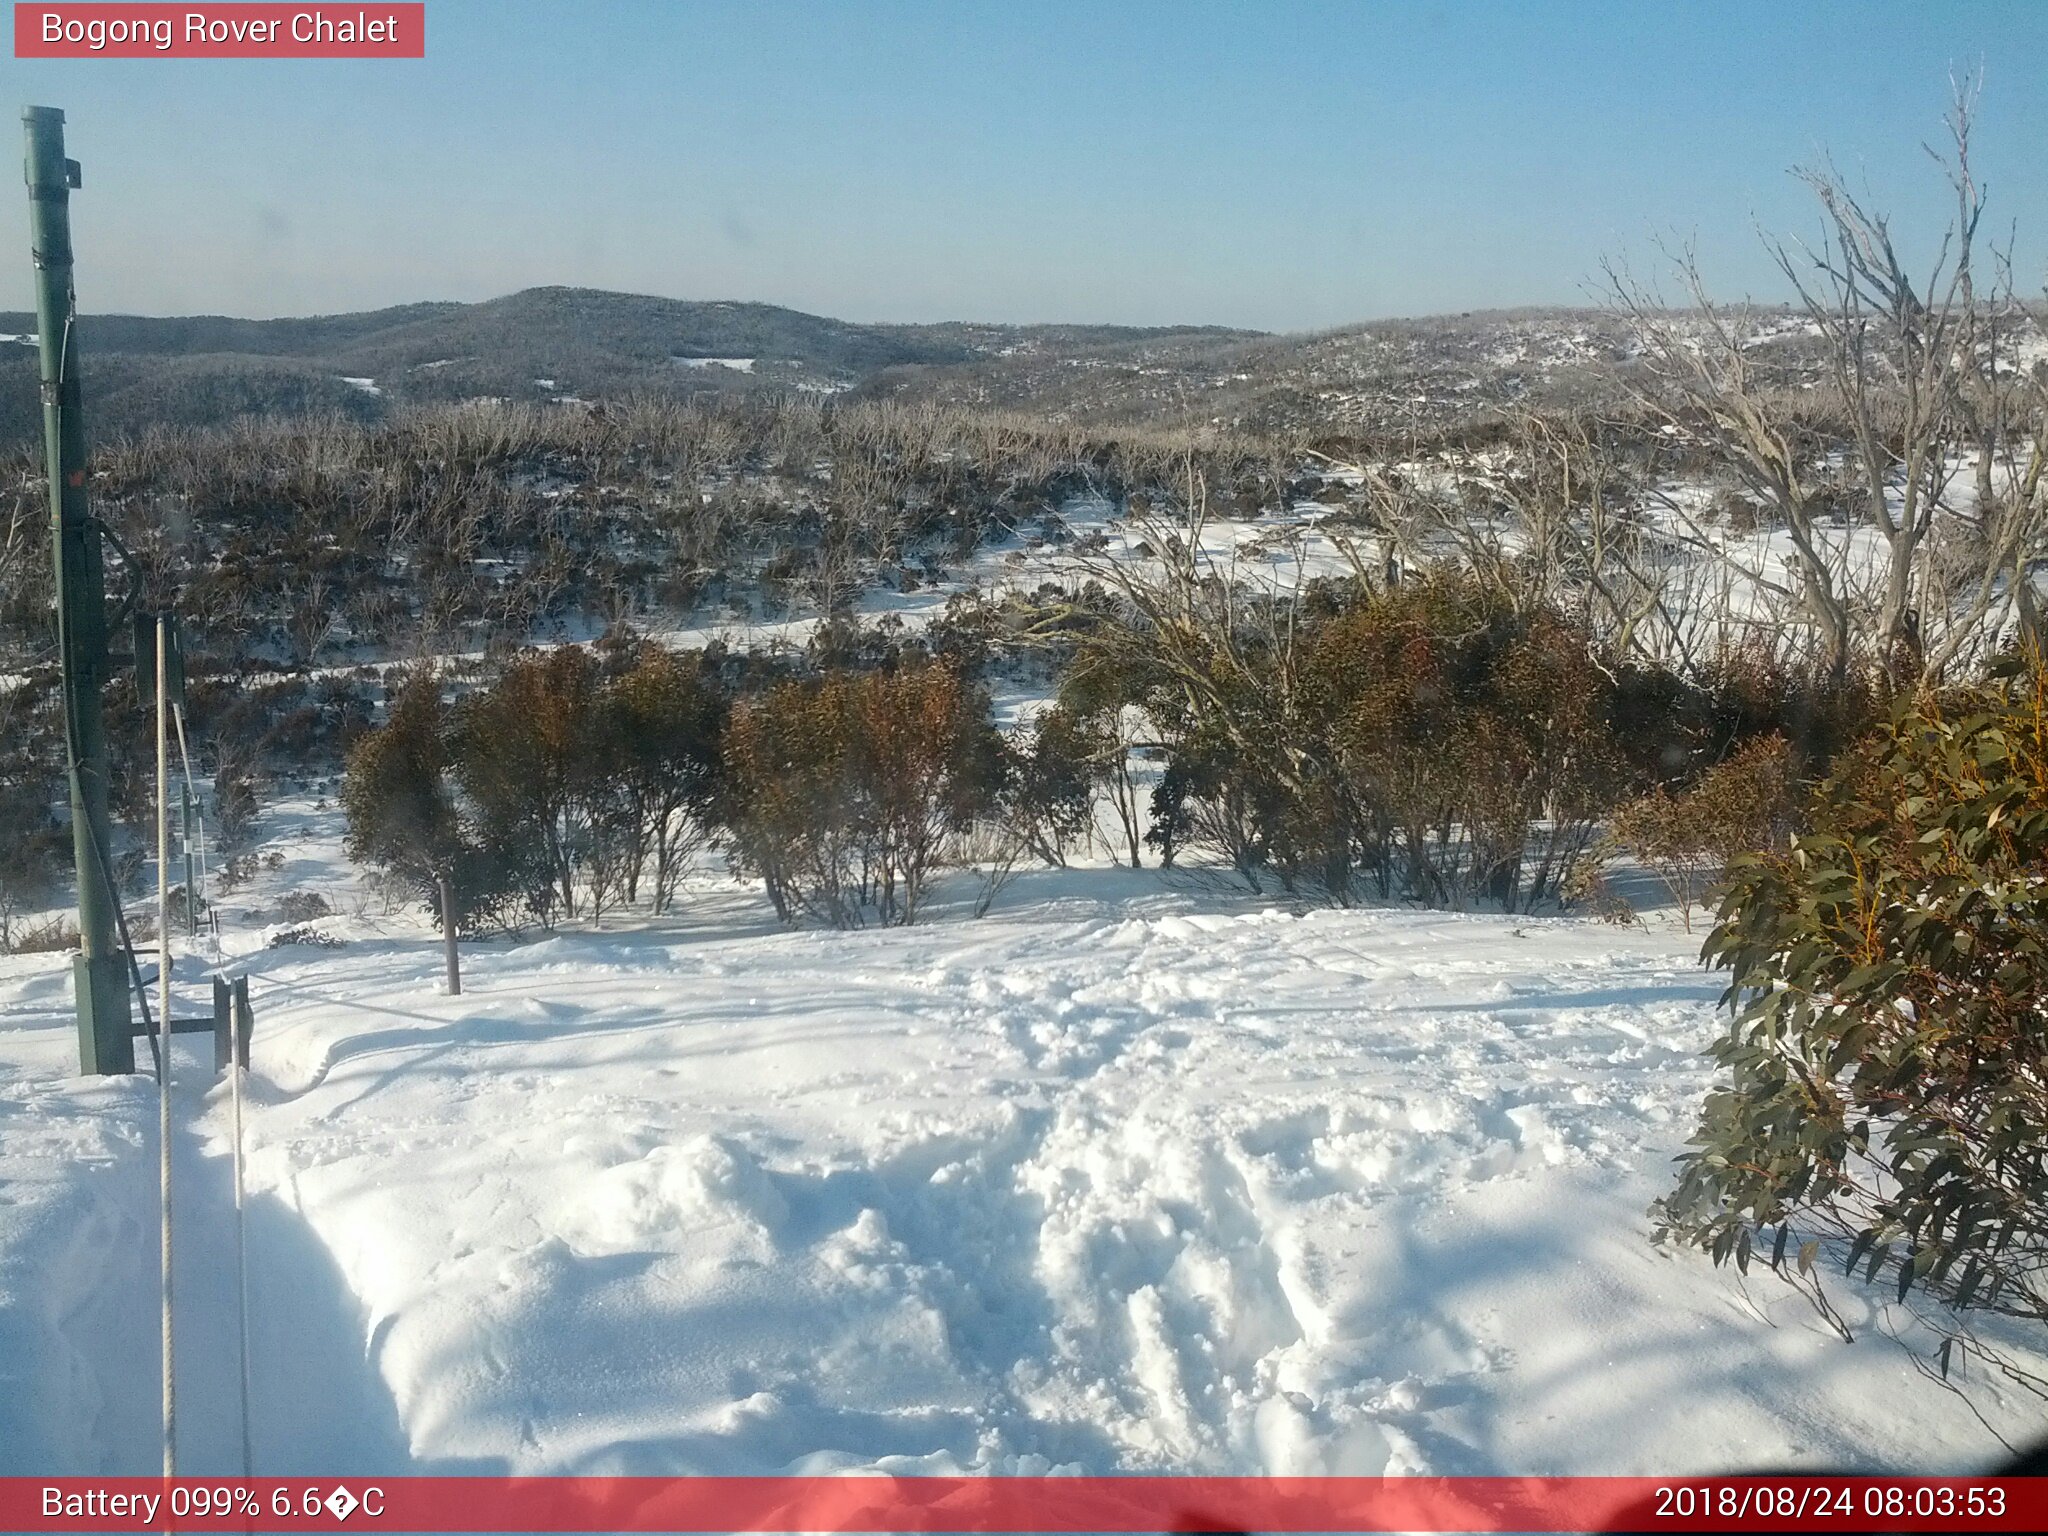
point(163, 919)
point(241, 1229)
point(235, 1070)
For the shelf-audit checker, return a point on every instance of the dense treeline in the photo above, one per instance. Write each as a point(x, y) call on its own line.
point(576, 781)
point(304, 542)
point(1424, 745)
point(1427, 742)
point(583, 779)
point(528, 346)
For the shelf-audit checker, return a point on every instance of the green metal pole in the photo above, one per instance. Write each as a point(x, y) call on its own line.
point(100, 971)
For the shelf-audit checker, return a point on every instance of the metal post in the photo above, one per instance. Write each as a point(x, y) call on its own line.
point(448, 935)
point(245, 1022)
point(223, 1026)
point(237, 1068)
point(100, 971)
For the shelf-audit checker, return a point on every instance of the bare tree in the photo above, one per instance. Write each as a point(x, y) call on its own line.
point(1200, 634)
point(1917, 388)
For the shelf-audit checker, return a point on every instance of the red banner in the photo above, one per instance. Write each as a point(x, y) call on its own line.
point(1021, 1504)
point(241, 31)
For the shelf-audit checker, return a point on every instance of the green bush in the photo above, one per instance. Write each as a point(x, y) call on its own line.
point(1688, 838)
point(528, 759)
point(1470, 745)
point(399, 799)
point(1884, 1105)
point(843, 794)
point(568, 784)
point(662, 717)
point(1051, 791)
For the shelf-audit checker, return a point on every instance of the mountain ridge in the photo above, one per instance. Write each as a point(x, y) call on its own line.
point(535, 344)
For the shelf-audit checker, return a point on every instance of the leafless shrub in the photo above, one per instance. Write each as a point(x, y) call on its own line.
point(41, 936)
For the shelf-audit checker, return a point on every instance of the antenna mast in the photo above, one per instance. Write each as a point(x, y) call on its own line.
point(100, 969)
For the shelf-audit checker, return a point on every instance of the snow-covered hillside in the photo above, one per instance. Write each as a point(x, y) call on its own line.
point(1137, 1173)
point(1131, 1174)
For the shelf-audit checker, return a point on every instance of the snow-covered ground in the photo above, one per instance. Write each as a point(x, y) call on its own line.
point(1140, 1172)
point(1135, 1173)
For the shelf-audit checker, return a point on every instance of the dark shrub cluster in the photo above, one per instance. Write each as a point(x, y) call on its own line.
point(447, 528)
point(844, 794)
point(1745, 804)
point(574, 782)
point(1425, 743)
point(584, 778)
point(1474, 742)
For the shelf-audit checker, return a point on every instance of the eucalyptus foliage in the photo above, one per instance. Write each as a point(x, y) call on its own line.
point(1884, 1107)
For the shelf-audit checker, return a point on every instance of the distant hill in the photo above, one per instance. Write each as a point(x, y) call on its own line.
point(187, 335)
point(547, 344)
point(539, 344)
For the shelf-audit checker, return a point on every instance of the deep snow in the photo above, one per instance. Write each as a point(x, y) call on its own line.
point(1134, 1173)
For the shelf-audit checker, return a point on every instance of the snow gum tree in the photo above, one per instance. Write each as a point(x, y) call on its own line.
point(1924, 436)
point(396, 791)
point(844, 793)
point(569, 783)
point(407, 816)
point(529, 764)
point(1884, 1102)
point(661, 727)
point(1051, 793)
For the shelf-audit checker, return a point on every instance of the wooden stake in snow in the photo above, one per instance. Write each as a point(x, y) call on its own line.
point(448, 934)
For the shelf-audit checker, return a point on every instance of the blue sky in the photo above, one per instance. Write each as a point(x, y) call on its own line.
point(1272, 163)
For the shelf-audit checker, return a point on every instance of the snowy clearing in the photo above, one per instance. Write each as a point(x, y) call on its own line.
point(1133, 1174)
